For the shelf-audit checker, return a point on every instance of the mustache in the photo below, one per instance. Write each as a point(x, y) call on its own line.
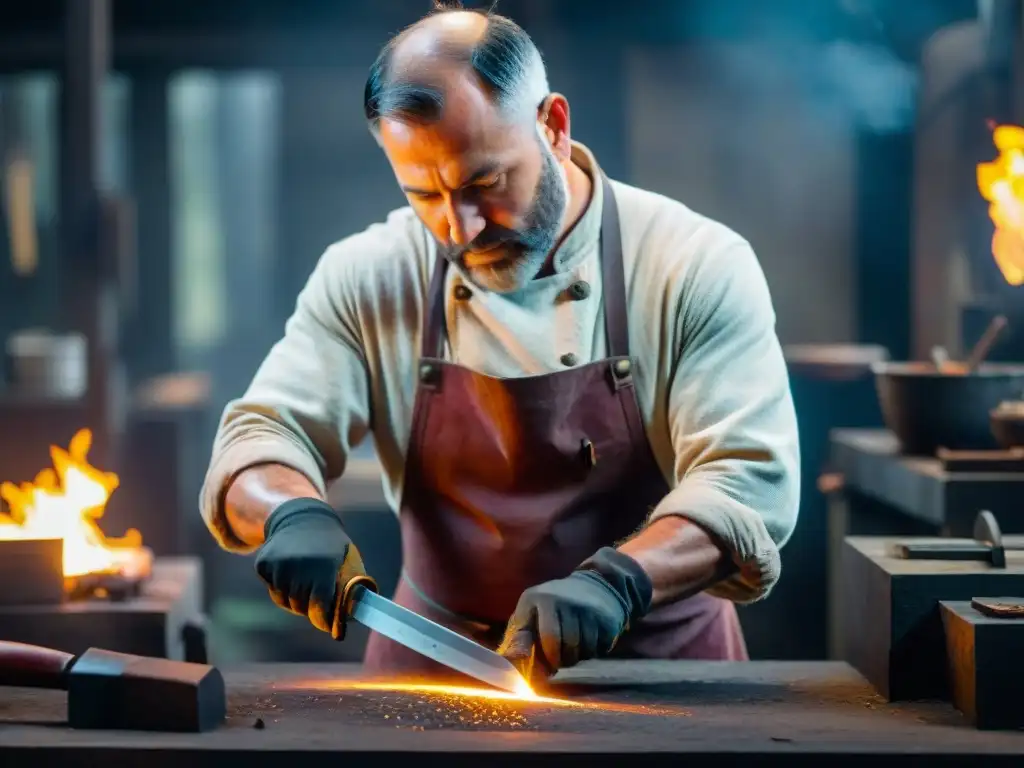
point(492, 236)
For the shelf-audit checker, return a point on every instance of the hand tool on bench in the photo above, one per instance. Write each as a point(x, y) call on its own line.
point(119, 691)
point(988, 545)
point(999, 607)
point(360, 601)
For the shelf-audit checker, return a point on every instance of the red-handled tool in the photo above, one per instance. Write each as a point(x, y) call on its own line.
point(119, 691)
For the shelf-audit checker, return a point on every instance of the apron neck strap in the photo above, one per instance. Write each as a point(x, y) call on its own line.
point(432, 343)
point(612, 276)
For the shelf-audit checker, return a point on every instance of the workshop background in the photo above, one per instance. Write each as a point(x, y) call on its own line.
point(170, 202)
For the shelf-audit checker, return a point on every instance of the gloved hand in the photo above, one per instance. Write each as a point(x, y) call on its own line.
point(580, 617)
point(306, 559)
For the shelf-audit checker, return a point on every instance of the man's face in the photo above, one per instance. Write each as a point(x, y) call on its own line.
point(492, 193)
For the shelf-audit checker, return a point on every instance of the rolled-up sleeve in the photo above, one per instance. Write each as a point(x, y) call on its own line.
point(732, 420)
point(308, 403)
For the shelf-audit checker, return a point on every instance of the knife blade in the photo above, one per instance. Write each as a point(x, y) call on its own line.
point(433, 640)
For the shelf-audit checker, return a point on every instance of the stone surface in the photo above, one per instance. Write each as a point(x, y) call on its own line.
point(782, 713)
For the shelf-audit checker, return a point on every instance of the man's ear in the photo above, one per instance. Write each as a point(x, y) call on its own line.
point(553, 117)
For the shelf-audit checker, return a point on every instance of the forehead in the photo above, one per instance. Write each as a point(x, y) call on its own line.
point(472, 132)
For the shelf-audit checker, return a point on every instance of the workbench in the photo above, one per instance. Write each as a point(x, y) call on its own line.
point(633, 712)
point(917, 492)
point(886, 494)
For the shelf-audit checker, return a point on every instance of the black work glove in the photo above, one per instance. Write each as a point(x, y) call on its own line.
point(562, 622)
point(306, 560)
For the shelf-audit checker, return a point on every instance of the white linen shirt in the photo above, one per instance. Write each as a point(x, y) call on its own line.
point(711, 380)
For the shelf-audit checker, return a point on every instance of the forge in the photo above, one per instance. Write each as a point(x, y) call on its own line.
point(50, 528)
point(1000, 183)
point(71, 587)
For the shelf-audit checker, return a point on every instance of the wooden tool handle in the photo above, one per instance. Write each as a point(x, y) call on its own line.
point(31, 666)
point(342, 605)
point(981, 349)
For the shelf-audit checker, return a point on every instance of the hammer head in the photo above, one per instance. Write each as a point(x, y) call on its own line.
point(986, 530)
point(118, 691)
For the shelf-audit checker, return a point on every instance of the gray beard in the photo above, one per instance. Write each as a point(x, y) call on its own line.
point(528, 249)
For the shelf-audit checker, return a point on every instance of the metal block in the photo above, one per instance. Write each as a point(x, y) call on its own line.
point(165, 620)
point(892, 626)
point(32, 571)
point(920, 488)
point(983, 665)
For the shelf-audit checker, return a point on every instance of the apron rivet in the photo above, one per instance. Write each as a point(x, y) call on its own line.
point(622, 367)
point(588, 452)
point(569, 359)
point(427, 373)
point(579, 290)
point(462, 293)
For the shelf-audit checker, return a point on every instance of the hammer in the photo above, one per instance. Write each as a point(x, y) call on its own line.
point(988, 545)
point(119, 691)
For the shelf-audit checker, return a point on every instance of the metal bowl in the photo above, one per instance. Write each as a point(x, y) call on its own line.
point(928, 409)
point(1007, 423)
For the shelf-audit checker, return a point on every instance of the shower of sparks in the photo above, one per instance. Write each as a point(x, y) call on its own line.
point(523, 696)
point(454, 695)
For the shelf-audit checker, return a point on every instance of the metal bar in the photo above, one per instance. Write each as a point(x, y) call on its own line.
point(148, 324)
point(433, 640)
point(83, 72)
point(1000, 22)
point(81, 278)
point(86, 55)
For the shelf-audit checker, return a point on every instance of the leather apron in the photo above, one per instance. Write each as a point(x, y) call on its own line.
point(513, 482)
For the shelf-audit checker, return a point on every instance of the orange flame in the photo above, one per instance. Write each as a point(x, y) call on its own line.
point(65, 503)
point(1001, 182)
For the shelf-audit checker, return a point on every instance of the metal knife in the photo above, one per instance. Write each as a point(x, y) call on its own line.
point(360, 601)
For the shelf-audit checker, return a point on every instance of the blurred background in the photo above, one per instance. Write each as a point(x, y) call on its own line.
point(173, 170)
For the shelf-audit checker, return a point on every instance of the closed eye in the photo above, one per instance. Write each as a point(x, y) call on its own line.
point(489, 183)
point(493, 182)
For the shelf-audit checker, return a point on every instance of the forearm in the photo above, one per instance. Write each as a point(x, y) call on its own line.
point(679, 557)
point(258, 491)
point(306, 406)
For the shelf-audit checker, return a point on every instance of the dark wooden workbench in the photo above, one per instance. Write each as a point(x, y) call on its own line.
point(886, 494)
point(761, 713)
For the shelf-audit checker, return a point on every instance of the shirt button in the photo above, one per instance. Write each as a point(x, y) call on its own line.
point(462, 292)
point(579, 290)
point(569, 359)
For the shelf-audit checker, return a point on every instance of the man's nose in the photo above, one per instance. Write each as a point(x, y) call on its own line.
point(464, 223)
